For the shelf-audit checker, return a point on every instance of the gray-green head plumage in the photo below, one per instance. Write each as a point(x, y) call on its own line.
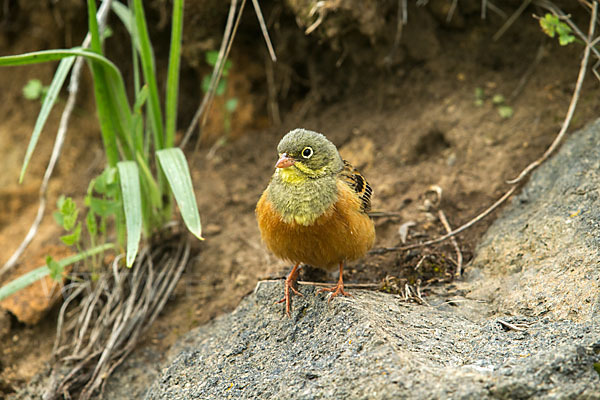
point(306, 187)
point(312, 150)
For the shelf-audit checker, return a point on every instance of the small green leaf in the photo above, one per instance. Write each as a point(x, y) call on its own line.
point(69, 213)
point(206, 83)
point(33, 89)
point(548, 24)
point(55, 268)
point(108, 32)
point(67, 206)
point(132, 205)
point(106, 183)
point(221, 87)
point(552, 25)
point(175, 167)
point(479, 93)
point(72, 238)
point(227, 67)
point(212, 57)
point(231, 104)
point(61, 200)
point(564, 40)
point(58, 217)
point(91, 224)
point(505, 111)
point(103, 207)
point(597, 367)
point(498, 99)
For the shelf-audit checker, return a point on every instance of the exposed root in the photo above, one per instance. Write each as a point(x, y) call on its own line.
point(101, 322)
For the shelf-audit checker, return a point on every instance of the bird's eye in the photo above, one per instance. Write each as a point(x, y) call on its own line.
point(307, 152)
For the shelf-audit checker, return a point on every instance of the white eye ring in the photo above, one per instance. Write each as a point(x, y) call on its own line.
point(307, 152)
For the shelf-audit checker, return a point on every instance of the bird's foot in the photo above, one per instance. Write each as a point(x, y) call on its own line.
point(289, 284)
point(335, 291)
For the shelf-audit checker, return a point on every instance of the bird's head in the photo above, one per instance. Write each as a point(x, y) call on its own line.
point(305, 154)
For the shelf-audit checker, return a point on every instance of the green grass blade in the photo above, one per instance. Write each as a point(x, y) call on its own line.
point(96, 44)
point(38, 273)
point(132, 205)
point(154, 191)
point(149, 70)
point(106, 117)
point(121, 113)
point(137, 122)
point(126, 18)
point(57, 83)
point(173, 73)
point(36, 57)
point(41, 56)
point(175, 167)
point(23, 281)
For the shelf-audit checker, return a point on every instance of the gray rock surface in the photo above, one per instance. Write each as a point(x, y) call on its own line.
point(542, 257)
point(525, 323)
point(375, 346)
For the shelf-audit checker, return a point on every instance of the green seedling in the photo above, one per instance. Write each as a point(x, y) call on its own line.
point(231, 103)
point(479, 96)
point(498, 100)
point(35, 90)
point(553, 26)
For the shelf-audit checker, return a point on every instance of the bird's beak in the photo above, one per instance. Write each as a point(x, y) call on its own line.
point(284, 161)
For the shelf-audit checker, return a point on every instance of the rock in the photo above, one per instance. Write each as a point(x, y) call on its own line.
point(535, 336)
point(541, 256)
point(378, 347)
point(33, 302)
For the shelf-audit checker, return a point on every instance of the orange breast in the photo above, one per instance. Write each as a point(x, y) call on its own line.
point(342, 233)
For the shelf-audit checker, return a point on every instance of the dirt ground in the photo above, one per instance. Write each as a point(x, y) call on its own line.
point(406, 128)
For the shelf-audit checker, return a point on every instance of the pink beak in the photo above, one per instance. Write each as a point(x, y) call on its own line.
point(284, 161)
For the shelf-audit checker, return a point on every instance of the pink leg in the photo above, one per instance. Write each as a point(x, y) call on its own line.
point(290, 282)
point(337, 289)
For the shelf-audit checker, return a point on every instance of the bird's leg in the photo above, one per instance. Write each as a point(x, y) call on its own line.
point(290, 282)
point(337, 289)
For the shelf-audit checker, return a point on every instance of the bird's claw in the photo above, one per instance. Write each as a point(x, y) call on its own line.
point(287, 298)
point(335, 291)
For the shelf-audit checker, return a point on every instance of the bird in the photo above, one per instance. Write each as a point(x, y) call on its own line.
point(315, 210)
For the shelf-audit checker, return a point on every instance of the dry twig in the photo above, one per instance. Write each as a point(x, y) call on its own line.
point(264, 30)
point(459, 257)
point(346, 285)
point(514, 327)
point(511, 20)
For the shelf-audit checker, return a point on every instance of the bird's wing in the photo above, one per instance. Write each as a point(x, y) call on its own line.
point(356, 181)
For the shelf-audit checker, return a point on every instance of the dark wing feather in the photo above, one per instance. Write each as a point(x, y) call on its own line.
point(356, 181)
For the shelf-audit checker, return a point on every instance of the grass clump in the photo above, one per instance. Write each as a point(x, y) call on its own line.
point(125, 207)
